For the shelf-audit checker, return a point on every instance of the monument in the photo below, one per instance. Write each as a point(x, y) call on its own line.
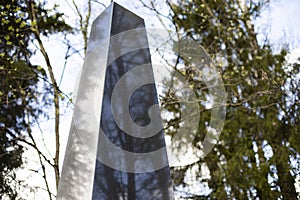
point(116, 147)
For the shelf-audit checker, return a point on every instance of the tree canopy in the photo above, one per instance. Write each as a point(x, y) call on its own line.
point(257, 155)
point(24, 89)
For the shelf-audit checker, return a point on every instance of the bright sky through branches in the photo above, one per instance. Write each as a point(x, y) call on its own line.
point(280, 24)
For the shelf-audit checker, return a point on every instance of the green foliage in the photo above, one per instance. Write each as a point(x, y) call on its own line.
point(23, 87)
point(263, 104)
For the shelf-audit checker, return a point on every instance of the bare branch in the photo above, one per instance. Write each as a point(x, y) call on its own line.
point(84, 23)
point(102, 4)
point(35, 30)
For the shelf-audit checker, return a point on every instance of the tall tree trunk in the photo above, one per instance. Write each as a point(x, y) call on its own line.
point(286, 181)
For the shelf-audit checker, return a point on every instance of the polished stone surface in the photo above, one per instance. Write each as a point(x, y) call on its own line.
point(116, 147)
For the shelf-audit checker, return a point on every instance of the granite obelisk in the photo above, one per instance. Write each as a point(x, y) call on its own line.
point(116, 148)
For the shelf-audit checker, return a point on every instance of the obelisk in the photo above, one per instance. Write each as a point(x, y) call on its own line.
point(116, 147)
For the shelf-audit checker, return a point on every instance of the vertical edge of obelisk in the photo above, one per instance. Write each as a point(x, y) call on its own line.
point(66, 190)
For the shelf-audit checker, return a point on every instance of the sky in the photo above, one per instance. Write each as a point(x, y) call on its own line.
point(284, 28)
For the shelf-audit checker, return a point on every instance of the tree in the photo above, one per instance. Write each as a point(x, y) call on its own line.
point(24, 87)
point(257, 155)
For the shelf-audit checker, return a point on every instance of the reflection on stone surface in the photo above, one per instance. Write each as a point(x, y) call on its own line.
point(116, 147)
point(110, 183)
point(76, 182)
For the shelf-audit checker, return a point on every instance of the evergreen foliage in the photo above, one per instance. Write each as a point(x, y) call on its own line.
point(257, 155)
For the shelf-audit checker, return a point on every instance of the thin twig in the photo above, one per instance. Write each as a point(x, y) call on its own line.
point(35, 30)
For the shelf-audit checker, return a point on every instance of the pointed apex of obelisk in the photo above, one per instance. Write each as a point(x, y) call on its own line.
point(124, 20)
